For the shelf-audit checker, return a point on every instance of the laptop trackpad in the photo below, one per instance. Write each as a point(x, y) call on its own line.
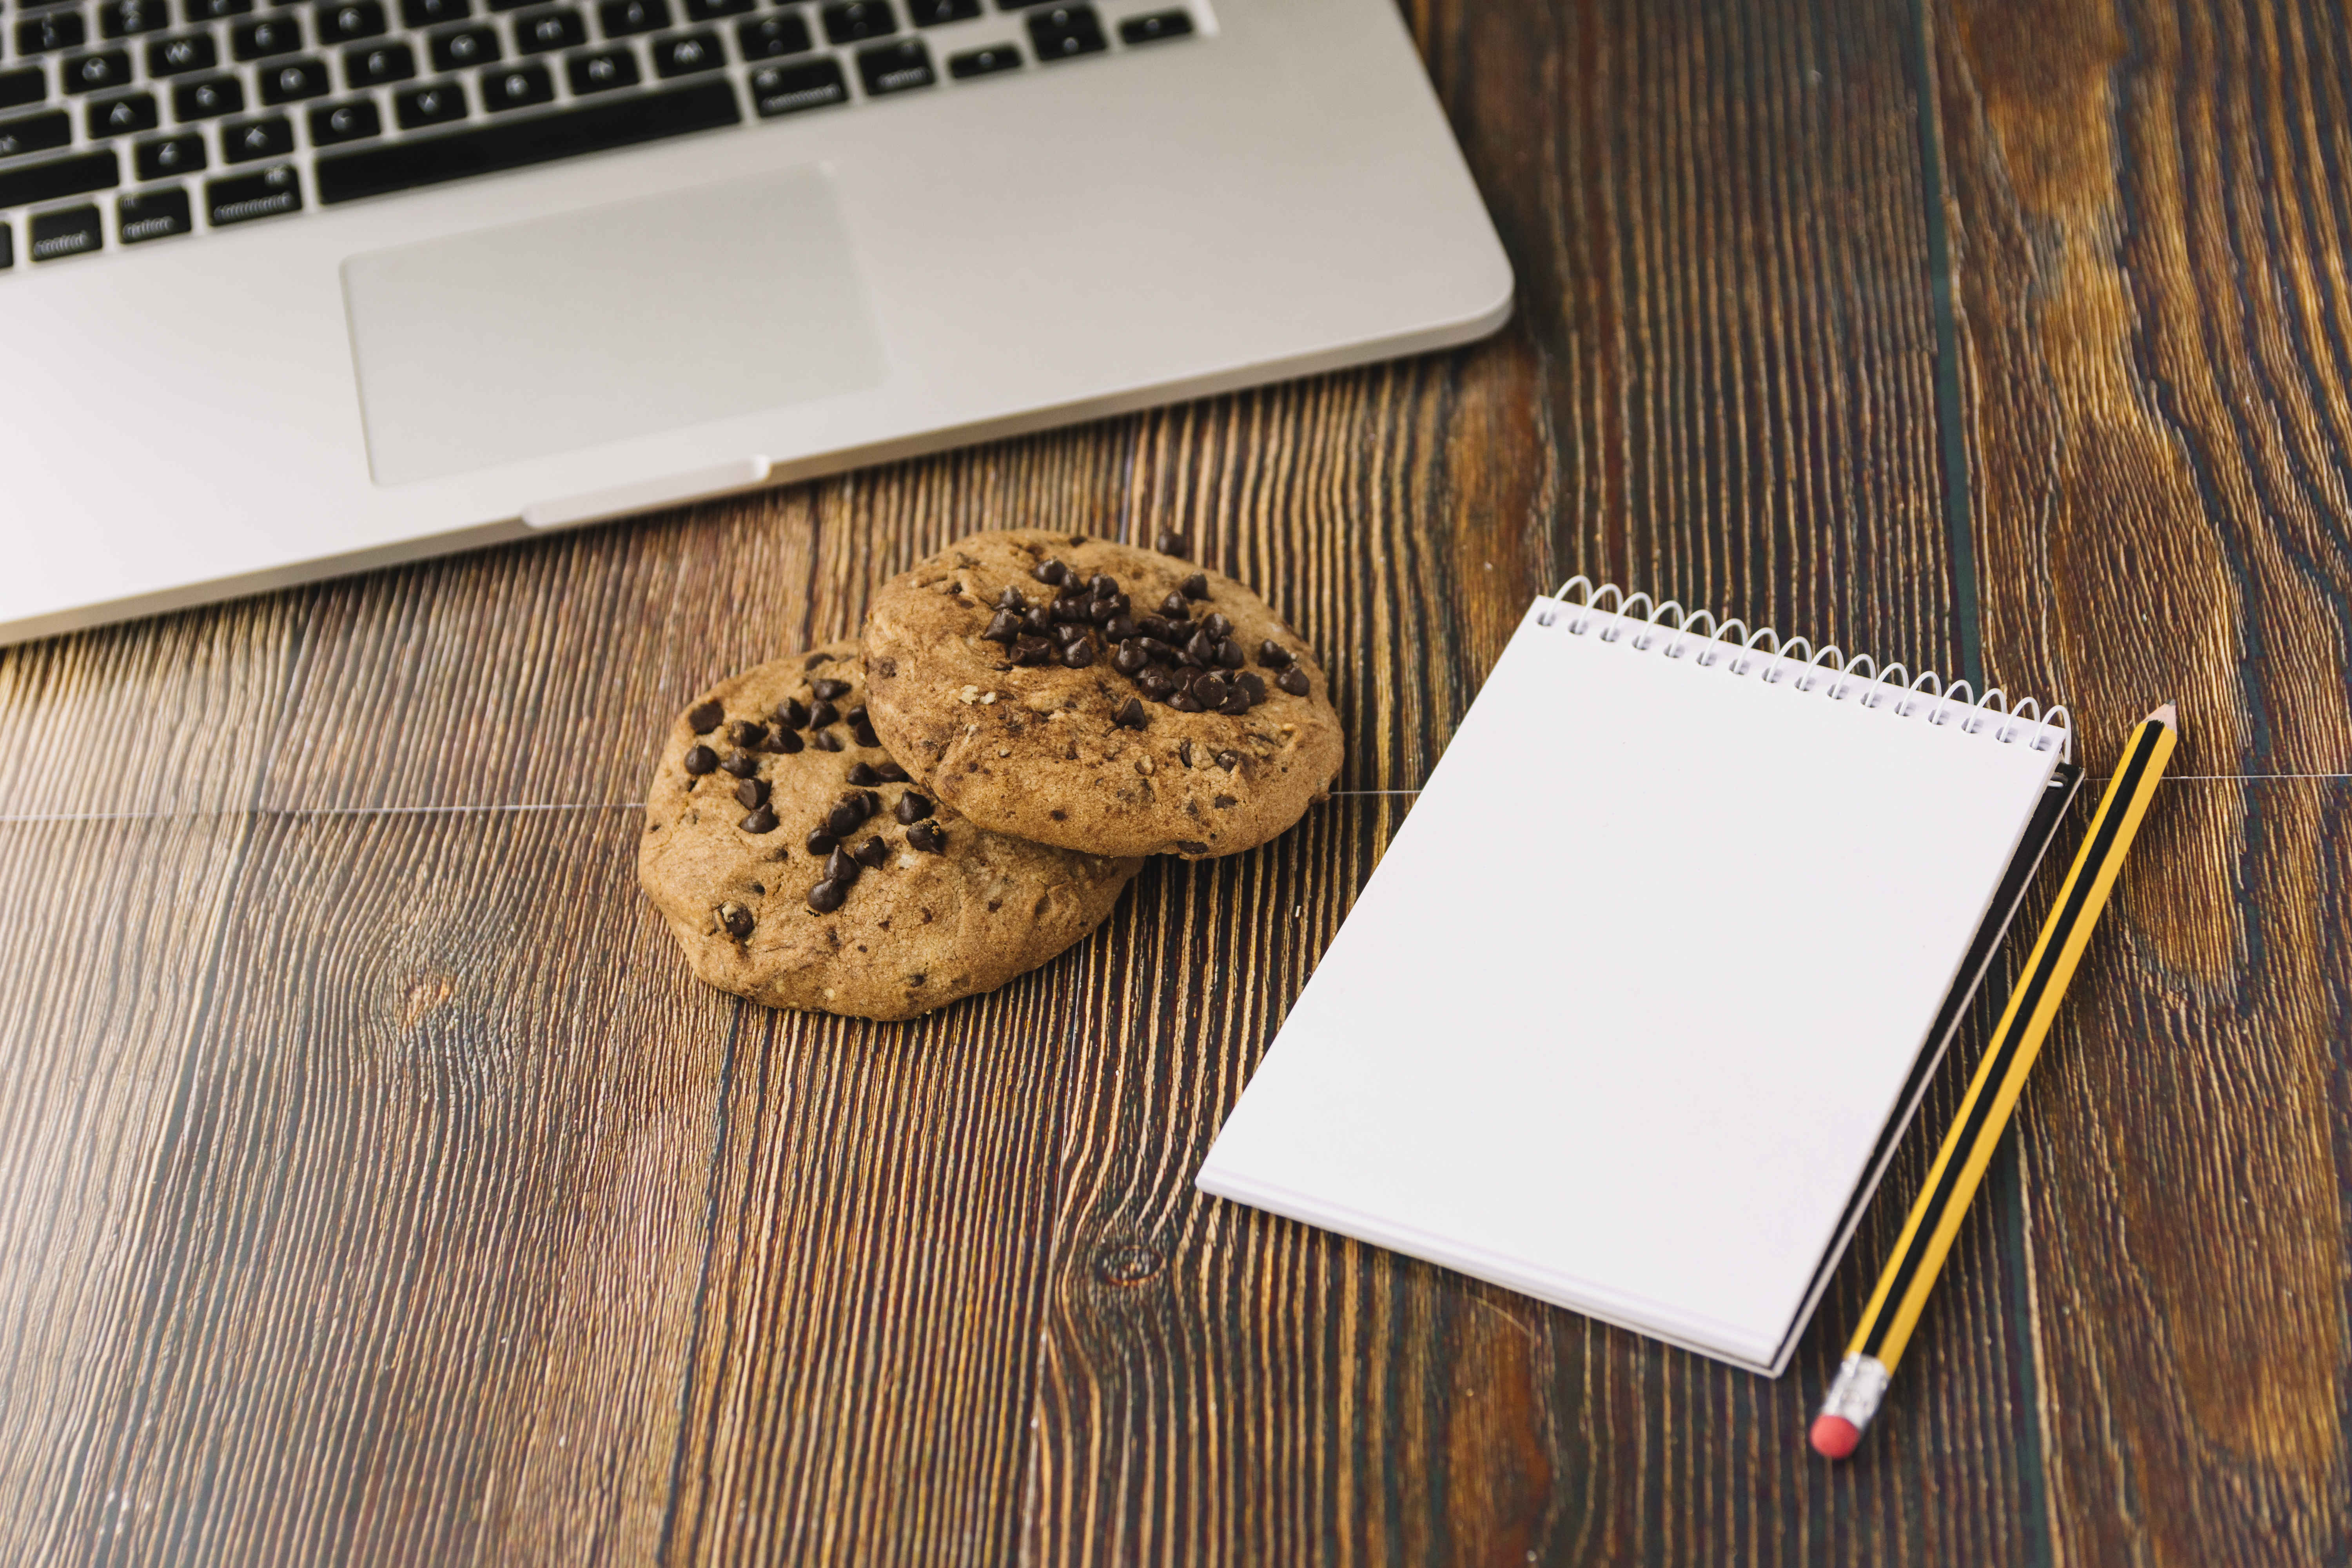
point(618, 321)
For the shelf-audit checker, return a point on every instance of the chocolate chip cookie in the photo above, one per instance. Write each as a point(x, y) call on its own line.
point(801, 867)
point(1095, 695)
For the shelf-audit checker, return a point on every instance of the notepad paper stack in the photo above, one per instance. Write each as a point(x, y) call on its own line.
point(1647, 1057)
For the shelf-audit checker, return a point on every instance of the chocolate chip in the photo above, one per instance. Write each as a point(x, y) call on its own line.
point(1066, 610)
point(1192, 846)
point(1224, 803)
point(1196, 586)
point(746, 732)
point(820, 842)
point(1101, 587)
point(1174, 607)
point(1252, 683)
point(791, 714)
point(859, 773)
point(813, 660)
point(1184, 751)
point(703, 717)
point(826, 896)
point(1157, 651)
point(1011, 599)
point(737, 919)
point(874, 854)
point(751, 793)
point(1130, 658)
point(855, 716)
point(1216, 626)
point(742, 765)
point(1171, 543)
point(1067, 635)
point(1208, 690)
point(868, 802)
point(865, 736)
point(829, 689)
point(1293, 680)
point(1031, 651)
point(1073, 590)
point(786, 741)
point(1131, 715)
point(844, 819)
point(927, 837)
point(911, 808)
point(1079, 654)
point(1202, 649)
point(1119, 627)
point(843, 868)
point(1038, 623)
point(762, 820)
point(1155, 683)
point(824, 741)
point(1229, 654)
point(700, 759)
point(1004, 627)
point(1273, 654)
point(892, 772)
point(1101, 611)
point(1185, 702)
point(1051, 570)
point(1236, 703)
point(1229, 760)
point(822, 714)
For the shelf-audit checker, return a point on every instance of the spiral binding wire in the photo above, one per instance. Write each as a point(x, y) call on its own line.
point(1859, 678)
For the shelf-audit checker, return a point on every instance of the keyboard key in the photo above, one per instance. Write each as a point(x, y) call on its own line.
point(96, 73)
point(73, 232)
point(241, 198)
point(333, 123)
point(168, 155)
point(896, 67)
point(600, 71)
point(712, 10)
point(377, 67)
point(772, 38)
point(289, 81)
point(199, 12)
point(518, 144)
point(932, 12)
point(250, 141)
point(852, 21)
point(204, 99)
point(124, 116)
point(517, 87)
point(1065, 32)
point(19, 87)
point(269, 36)
point(538, 31)
point(433, 13)
point(1158, 26)
point(688, 53)
point(984, 62)
point(59, 177)
point(8, 250)
point(59, 30)
point(788, 89)
point(464, 47)
point(436, 103)
point(152, 214)
point(350, 22)
point(626, 18)
point(34, 133)
point(177, 57)
point(120, 18)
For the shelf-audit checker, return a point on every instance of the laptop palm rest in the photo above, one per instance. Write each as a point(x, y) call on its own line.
point(618, 321)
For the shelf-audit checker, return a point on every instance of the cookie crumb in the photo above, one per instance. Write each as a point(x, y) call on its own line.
point(990, 698)
point(1004, 751)
point(1144, 766)
point(969, 694)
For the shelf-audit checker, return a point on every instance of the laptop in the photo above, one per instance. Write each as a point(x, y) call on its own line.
point(289, 291)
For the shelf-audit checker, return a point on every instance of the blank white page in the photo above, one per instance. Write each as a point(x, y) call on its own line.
point(1622, 1012)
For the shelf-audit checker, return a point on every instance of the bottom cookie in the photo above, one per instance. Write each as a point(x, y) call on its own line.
point(800, 869)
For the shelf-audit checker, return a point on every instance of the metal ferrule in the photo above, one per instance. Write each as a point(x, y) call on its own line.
point(1861, 1384)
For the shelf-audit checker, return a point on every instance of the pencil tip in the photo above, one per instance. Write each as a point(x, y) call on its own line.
point(2167, 716)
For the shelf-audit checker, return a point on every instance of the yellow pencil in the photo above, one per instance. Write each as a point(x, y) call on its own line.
point(1910, 1273)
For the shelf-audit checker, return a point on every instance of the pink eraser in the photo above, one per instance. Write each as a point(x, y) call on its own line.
point(1835, 1437)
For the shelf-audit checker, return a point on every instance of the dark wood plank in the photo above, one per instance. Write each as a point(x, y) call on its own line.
point(2156, 242)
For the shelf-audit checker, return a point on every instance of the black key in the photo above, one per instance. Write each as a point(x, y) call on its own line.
point(625, 18)
point(984, 62)
point(332, 124)
point(788, 89)
point(519, 144)
point(711, 10)
point(241, 198)
point(96, 73)
point(203, 100)
point(18, 88)
point(33, 133)
point(120, 18)
point(289, 81)
point(169, 155)
point(436, 103)
point(1063, 32)
point(772, 38)
point(198, 11)
point(72, 232)
point(541, 31)
point(61, 30)
point(124, 116)
point(350, 21)
point(59, 177)
point(931, 12)
point(433, 13)
point(600, 70)
point(152, 214)
point(250, 141)
point(8, 250)
point(375, 66)
point(177, 57)
point(1158, 26)
point(895, 67)
point(269, 36)
point(464, 47)
point(517, 87)
point(852, 21)
point(688, 53)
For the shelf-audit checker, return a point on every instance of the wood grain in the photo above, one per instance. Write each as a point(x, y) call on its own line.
point(2153, 279)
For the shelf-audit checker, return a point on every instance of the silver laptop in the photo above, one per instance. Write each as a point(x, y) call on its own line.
point(291, 289)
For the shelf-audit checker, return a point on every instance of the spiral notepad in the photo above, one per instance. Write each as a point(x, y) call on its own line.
point(1652, 975)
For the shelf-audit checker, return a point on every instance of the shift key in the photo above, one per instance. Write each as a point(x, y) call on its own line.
point(74, 177)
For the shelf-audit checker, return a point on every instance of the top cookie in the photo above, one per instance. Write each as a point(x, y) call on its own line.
point(799, 866)
point(1092, 695)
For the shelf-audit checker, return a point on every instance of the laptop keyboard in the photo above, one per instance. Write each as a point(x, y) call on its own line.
point(127, 121)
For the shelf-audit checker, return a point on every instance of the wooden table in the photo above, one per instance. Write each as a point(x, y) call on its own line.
point(374, 1184)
